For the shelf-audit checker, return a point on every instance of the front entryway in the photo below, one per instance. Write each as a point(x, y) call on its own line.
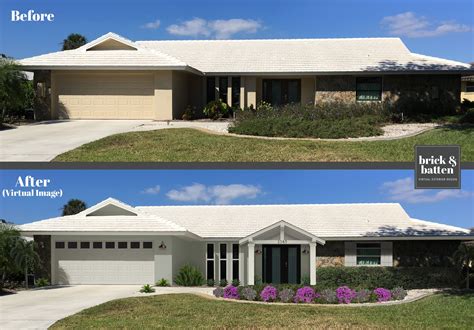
point(281, 264)
point(281, 91)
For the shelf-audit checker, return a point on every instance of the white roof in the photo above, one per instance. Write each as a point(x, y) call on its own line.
point(328, 221)
point(251, 56)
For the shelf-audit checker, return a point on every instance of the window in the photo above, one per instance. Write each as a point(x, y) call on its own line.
point(110, 245)
point(72, 245)
point(235, 261)
point(223, 84)
point(210, 261)
point(211, 89)
point(122, 245)
point(223, 261)
point(368, 254)
point(469, 86)
point(97, 245)
point(236, 92)
point(60, 245)
point(85, 245)
point(369, 89)
point(281, 91)
point(148, 245)
point(134, 245)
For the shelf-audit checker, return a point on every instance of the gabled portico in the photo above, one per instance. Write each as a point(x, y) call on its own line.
point(281, 252)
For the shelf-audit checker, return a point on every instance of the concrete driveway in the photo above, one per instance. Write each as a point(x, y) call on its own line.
point(38, 309)
point(45, 140)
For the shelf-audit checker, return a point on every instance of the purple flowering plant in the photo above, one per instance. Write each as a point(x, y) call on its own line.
point(383, 294)
point(269, 293)
point(218, 292)
point(345, 294)
point(305, 294)
point(286, 295)
point(231, 292)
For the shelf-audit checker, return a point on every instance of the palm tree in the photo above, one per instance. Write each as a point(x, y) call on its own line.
point(464, 257)
point(12, 91)
point(8, 237)
point(73, 206)
point(73, 41)
point(25, 256)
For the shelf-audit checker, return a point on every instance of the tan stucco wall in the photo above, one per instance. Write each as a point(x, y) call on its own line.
point(164, 95)
point(308, 90)
point(465, 95)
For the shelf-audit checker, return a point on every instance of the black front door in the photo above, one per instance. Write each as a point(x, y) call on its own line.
point(281, 91)
point(281, 264)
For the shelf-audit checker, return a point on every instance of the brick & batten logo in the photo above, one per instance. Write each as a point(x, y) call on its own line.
point(437, 167)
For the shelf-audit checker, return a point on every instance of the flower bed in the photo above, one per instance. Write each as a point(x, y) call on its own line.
point(309, 295)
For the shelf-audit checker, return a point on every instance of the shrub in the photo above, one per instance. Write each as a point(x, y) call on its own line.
point(305, 280)
point(210, 282)
point(388, 277)
point(147, 288)
point(231, 292)
point(328, 296)
point(344, 295)
point(216, 110)
point(235, 282)
point(468, 117)
point(189, 276)
point(269, 293)
point(218, 292)
point(162, 282)
point(258, 280)
point(41, 282)
point(189, 113)
point(362, 296)
point(383, 294)
point(223, 283)
point(286, 295)
point(398, 293)
point(305, 294)
point(248, 293)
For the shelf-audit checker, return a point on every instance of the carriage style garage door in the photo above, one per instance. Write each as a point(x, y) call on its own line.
point(105, 95)
point(104, 266)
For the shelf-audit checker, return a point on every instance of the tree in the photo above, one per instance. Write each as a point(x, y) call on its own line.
point(8, 238)
point(73, 206)
point(73, 41)
point(464, 257)
point(25, 256)
point(13, 87)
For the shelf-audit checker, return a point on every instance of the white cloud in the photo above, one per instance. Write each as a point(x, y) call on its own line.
point(408, 24)
point(217, 194)
point(152, 25)
point(403, 190)
point(152, 190)
point(219, 29)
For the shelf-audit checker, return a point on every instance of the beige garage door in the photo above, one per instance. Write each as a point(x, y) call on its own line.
point(105, 96)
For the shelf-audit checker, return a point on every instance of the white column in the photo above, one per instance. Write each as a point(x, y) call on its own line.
point(312, 263)
point(251, 264)
point(241, 265)
point(229, 91)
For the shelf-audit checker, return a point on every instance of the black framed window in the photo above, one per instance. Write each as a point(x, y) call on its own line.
point(281, 91)
point(369, 89)
point(110, 245)
point(368, 254)
point(122, 245)
point(72, 245)
point(236, 92)
point(223, 261)
point(134, 245)
point(210, 261)
point(148, 245)
point(469, 86)
point(85, 245)
point(235, 261)
point(223, 84)
point(210, 89)
point(60, 245)
point(97, 245)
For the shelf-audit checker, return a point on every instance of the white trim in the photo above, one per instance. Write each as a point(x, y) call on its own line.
point(401, 238)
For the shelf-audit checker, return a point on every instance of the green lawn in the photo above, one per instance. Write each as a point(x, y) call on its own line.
point(189, 145)
point(189, 311)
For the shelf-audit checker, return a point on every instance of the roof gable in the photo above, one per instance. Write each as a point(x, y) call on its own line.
point(109, 41)
point(109, 207)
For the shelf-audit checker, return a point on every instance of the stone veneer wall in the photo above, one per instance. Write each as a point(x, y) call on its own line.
point(330, 254)
point(424, 253)
point(42, 104)
point(43, 248)
point(397, 89)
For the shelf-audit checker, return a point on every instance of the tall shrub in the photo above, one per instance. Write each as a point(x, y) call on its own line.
point(189, 276)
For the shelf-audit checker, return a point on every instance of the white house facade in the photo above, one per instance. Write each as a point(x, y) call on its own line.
point(115, 243)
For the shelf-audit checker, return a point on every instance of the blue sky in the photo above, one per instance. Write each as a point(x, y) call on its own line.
point(441, 28)
point(168, 187)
